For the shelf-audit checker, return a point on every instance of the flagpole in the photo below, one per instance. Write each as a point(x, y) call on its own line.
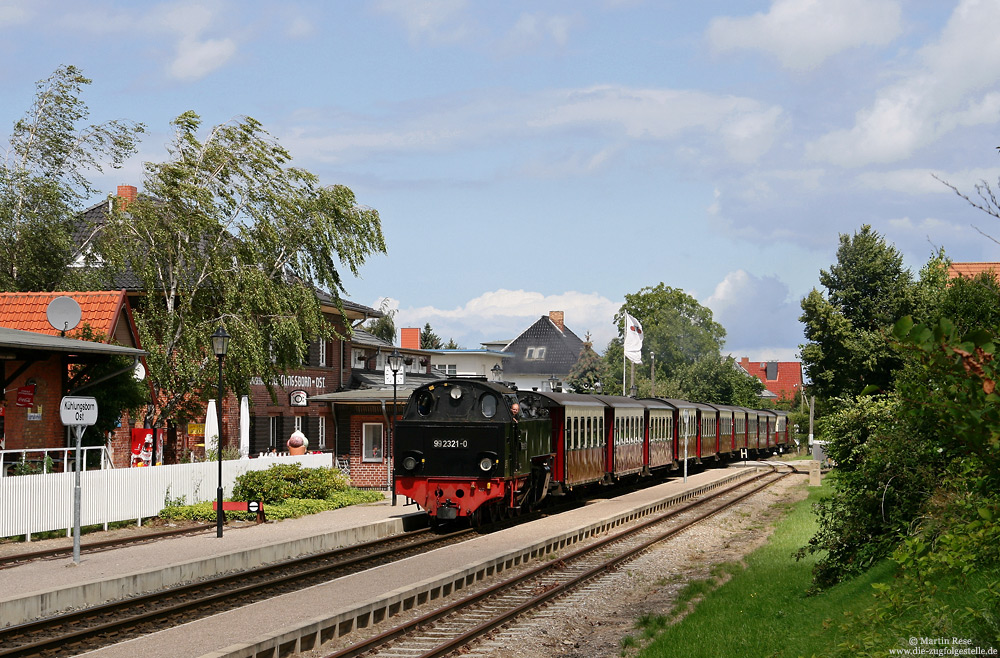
point(624, 337)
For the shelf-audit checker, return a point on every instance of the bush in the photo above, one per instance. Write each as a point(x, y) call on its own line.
point(286, 481)
point(289, 508)
point(948, 583)
point(884, 475)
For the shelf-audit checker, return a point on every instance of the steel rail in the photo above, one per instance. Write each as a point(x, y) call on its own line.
point(389, 635)
point(12, 560)
point(204, 593)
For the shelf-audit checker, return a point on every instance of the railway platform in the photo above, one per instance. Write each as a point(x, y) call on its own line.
point(304, 619)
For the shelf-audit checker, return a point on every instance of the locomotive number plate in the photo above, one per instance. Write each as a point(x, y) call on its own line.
point(450, 443)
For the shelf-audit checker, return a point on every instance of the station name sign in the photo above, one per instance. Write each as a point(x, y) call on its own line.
point(78, 411)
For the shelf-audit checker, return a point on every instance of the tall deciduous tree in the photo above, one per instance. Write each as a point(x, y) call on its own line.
point(42, 181)
point(227, 232)
point(385, 326)
point(867, 290)
point(685, 344)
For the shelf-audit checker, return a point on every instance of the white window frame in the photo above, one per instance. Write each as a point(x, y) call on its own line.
point(272, 429)
point(322, 433)
point(298, 423)
point(322, 352)
point(367, 442)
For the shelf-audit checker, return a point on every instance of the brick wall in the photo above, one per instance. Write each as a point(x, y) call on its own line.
point(48, 431)
point(367, 474)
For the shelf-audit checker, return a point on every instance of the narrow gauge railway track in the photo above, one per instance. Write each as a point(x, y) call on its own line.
point(76, 632)
point(92, 546)
point(460, 623)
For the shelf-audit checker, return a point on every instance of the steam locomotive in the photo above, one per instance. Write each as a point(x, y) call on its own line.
point(469, 448)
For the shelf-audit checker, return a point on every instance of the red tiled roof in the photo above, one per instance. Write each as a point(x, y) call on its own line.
point(970, 270)
point(788, 379)
point(26, 310)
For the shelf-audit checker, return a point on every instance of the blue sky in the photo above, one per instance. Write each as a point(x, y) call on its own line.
point(535, 156)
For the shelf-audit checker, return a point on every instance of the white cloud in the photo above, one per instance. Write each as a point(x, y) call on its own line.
point(757, 314)
point(436, 21)
point(951, 84)
point(503, 314)
point(533, 29)
point(14, 13)
point(801, 34)
point(196, 59)
point(300, 27)
point(740, 127)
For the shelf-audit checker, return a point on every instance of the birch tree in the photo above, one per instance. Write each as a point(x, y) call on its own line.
point(43, 181)
point(228, 233)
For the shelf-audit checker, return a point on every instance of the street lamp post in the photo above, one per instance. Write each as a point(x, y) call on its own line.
point(395, 363)
point(497, 371)
point(220, 344)
point(553, 381)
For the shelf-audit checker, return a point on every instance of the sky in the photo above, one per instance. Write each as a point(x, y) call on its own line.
point(526, 157)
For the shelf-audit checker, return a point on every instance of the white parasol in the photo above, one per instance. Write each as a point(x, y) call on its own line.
point(244, 427)
point(211, 427)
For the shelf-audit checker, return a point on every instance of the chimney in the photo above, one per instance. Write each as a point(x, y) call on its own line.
point(409, 339)
point(127, 194)
point(556, 317)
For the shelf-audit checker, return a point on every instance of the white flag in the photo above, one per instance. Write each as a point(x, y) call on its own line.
point(633, 339)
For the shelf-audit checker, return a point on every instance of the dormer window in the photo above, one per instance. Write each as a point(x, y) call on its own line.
point(534, 354)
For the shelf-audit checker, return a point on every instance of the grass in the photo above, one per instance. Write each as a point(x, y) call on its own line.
point(763, 610)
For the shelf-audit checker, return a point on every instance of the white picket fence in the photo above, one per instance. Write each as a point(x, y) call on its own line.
point(39, 503)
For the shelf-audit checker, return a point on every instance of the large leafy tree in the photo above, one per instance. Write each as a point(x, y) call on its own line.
point(43, 183)
point(227, 232)
point(683, 343)
point(867, 290)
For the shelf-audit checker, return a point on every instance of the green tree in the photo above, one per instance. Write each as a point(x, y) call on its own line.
point(587, 371)
point(719, 381)
point(384, 327)
point(115, 395)
point(42, 182)
point(452, 345)
point(428, 339)
point(677, 331)
point(228, 233)
point(867, 290)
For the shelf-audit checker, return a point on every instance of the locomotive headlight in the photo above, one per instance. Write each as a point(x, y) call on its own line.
point(456, 393)
point(409, 463)
point(485, 464)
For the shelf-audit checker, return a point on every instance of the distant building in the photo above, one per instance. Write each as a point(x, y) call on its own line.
point(543, 353)
point(782, 378)
point(971, 270)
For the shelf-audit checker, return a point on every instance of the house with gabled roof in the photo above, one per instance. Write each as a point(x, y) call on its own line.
point(543, 354)
point(972, 270)
point(107, 312)
point(36, 425)
point(782, 379)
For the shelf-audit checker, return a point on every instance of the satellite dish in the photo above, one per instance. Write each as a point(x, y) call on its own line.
point(63, 313)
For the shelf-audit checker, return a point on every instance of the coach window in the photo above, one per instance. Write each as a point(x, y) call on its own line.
point(372, 438)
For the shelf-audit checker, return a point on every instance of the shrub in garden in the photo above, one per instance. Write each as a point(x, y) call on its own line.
point(283, 481)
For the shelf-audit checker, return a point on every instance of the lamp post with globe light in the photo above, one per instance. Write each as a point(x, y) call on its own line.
point(395, 364)
point(220, 345)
